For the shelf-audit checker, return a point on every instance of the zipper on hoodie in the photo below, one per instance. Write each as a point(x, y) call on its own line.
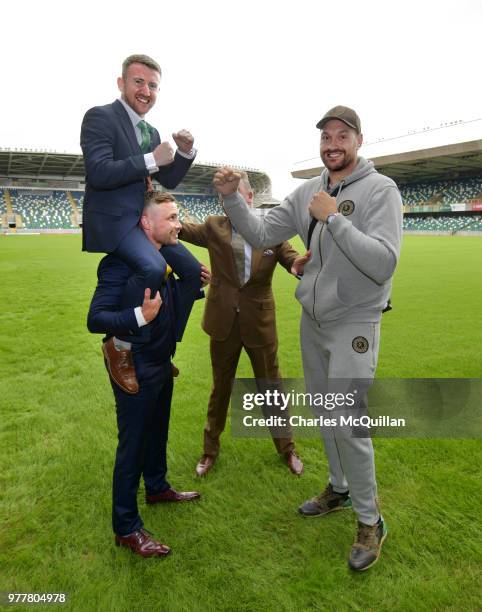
point(318, 273)
point(335, 195)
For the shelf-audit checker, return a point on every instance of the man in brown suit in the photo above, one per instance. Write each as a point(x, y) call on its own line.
point(239, 312)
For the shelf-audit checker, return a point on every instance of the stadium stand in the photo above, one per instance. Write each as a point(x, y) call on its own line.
point(442, 192)
point(446, 224)
point(199, 207)
point(50, 210)
point(79, 199)
point(42, 209)
point(3, 205)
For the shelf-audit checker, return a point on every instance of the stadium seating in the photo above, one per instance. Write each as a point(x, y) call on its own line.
point(3, 206)
point(38, 211)
point(476, 225)
point(79, 199)
point(447, 223)
point(441, 192)
point(199, 206)
point(52, 209)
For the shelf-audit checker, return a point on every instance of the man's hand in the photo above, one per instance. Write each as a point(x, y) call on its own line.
point(184, 141)
point(205, 276)
point(298, 266)
point(226, 181)
point(322, 205)
point(163, 154)
point(150, 308)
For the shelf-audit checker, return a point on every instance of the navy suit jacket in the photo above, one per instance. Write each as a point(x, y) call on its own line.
point(116, 176)
point(106, 315)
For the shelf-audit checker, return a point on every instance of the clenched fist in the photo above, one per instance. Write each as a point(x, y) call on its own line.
point(184, 140)
point(163, 154)
point(322, 205)
point(226, 181)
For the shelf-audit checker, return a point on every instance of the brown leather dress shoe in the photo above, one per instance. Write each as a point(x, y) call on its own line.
point(205, 464)
point(142, 543)
point(294, 462)
point(121, 367)
point(171, 495)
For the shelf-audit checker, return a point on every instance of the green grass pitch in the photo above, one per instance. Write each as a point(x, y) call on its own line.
point(243, 546)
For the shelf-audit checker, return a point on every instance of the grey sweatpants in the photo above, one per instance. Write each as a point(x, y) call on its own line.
point(344, 350)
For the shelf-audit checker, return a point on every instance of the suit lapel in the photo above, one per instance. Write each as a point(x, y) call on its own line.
point(127, 126)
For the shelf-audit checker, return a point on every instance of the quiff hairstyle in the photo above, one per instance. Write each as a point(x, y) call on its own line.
point(140, 59)
point(157, 197)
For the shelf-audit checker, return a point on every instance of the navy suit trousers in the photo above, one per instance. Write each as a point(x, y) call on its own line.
point(143, 425)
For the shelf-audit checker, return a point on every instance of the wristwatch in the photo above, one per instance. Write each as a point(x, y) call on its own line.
point(330, 217)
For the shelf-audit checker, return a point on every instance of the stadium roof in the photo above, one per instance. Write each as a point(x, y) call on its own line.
point(445, 162)
point(44, 164)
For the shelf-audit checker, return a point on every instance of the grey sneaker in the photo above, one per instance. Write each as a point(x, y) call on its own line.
point(368, 544)
point(327, 501)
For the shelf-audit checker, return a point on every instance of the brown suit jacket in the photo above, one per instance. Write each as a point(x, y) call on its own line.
point(254, 300)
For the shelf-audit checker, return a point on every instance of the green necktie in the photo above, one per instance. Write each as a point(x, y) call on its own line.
point(146, 137)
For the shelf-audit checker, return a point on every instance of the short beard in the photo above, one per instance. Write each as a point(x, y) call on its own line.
point(338, 165)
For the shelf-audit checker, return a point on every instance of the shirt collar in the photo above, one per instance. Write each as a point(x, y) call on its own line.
point(133, 116)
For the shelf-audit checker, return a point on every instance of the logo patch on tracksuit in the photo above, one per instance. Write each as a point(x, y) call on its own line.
point(346, 207)
point(360, 344)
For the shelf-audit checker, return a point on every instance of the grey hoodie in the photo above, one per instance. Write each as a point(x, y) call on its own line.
point(353, 258)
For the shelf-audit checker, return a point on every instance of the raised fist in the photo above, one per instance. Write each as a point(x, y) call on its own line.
point(163, 154)
point(226, 181)
point(184, 141)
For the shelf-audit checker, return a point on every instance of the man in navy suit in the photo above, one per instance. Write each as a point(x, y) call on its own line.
point(143, 418)
point(122, 153)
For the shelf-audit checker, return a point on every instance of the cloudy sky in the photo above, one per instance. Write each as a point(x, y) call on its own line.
point(249, 79)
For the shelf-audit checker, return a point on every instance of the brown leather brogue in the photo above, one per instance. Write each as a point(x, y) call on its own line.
point(294, 462)
point(171, 495)
point(120, 367)
point(142, 543)
point(205, 464)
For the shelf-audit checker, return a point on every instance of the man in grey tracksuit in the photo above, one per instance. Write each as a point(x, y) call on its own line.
point(350, 219)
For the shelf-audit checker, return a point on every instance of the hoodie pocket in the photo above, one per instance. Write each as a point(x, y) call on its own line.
point(319, 297)
point(346, 294)
point(358, 292)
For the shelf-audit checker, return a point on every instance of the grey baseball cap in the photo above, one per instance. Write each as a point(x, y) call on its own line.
point(342, 113)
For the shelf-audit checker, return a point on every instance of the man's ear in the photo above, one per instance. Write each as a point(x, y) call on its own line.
point(359, 140)
point(120, 84)
point(145, 223)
